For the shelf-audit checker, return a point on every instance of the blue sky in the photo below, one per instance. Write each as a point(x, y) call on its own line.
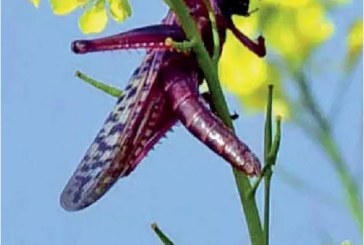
point(50, 118)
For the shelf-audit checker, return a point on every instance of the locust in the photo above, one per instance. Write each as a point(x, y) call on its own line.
point(162, 91)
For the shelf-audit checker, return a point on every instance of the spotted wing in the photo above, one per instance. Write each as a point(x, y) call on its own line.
point(111, 153)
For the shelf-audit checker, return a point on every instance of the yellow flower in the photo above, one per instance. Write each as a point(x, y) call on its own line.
point(95, 18)
point(64, 7)
point(120, 9)
point(241, 70)
point(355, 43)
point(35, 3)
point(294, 33)
point(288, 4)
point(313, 25)
point(292, 29)
point(247, 76)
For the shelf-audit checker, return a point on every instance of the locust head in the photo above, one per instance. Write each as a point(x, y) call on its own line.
point(232, 7)
point(228, 8)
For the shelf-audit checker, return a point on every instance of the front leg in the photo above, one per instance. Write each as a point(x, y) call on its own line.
point(149, 37)
point(257, 47)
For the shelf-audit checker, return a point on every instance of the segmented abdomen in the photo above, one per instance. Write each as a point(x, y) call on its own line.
point(196, 117)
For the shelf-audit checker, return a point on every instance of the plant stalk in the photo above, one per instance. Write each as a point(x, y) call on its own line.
point(206, 64)
point(323, 134)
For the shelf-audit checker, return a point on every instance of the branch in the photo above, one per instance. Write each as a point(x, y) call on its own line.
point(323, 134)
point(206, 64)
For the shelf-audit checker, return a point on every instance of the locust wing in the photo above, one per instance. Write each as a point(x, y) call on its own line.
point(140, 118)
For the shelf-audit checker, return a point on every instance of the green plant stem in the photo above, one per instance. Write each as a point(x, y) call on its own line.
point(309, 102)
point(347, 180)
point(215, 33)
point(268, 174)
point(270, 156)
point(270, 162)
point(163, 237)
point(268, 178)
point(248, 202)
point(323, 134)
point(297, 182)
point(111, 90)
point(268, 123)
point(270, 153)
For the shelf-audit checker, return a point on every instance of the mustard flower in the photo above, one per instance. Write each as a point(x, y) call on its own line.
point(95, 17)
